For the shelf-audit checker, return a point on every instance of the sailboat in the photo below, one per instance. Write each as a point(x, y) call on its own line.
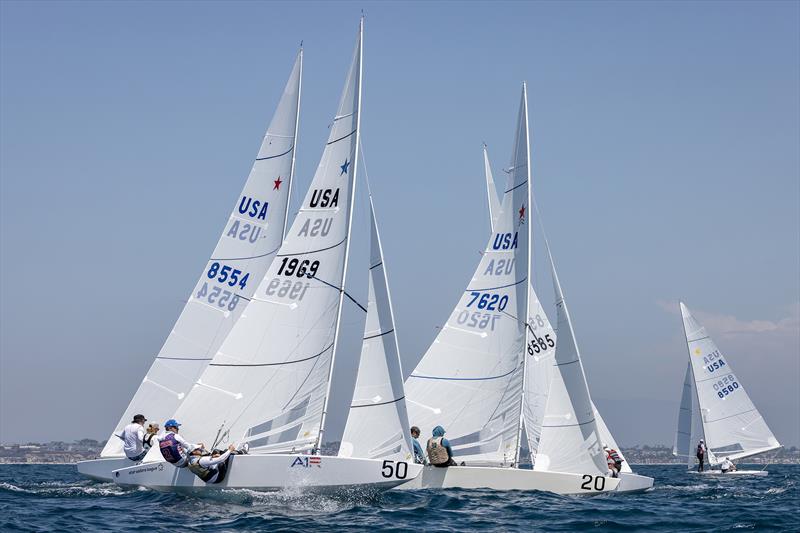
point(268, 385)
point(246, 247)
point(488, 377)
point(715, 407)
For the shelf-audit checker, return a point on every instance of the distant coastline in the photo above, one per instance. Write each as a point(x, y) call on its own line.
point(58, 452)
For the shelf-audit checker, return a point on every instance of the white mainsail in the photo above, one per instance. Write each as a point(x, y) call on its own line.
point(245, 249)
point(377, 424)
point(268, 383)
point(570, 439)
point(732, 425)
point(470, 379)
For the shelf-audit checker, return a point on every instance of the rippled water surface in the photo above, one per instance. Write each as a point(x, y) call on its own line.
point(56, 498)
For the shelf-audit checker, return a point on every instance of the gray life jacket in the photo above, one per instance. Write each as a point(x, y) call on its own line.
point(200, 471)
point(437, 454)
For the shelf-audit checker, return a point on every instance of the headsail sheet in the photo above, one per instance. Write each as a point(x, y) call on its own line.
point(470, 379)
point(268, 382)
point(377, 424)
point(245, 249)
point(732, 425)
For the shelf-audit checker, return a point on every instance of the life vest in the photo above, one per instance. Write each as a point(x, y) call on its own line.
point(199, 470)
point(171, 449)
point(701, 450)
point(437, 454)
point(613, 456)
point(147, 441)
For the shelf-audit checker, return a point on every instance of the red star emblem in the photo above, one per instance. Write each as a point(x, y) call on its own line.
point(277, 183)
point(522, 212)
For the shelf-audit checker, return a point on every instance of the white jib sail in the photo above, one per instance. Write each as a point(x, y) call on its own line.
point(470, 379)
point(377, 424)
point(268, 383)
point(491, 189)
point(732, 425)
point(608, 439)
point(570, 438)
point(246, 248)
point(683, 446)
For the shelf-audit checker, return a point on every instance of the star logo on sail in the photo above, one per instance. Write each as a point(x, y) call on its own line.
point(344, 167)
point(522, 214)
point(277, 183)
point(697, 351)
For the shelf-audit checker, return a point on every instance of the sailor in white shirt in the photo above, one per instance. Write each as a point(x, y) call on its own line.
point(727, 466)
point(133, 439)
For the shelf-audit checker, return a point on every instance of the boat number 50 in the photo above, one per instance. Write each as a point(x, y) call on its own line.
point(599, 482)
point(391, 469)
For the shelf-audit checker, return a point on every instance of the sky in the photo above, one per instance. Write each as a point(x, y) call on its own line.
point(665, 159)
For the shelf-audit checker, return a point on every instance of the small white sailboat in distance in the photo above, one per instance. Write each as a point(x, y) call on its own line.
point(716, 408)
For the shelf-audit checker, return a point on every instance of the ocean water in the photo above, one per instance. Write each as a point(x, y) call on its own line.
point(57, 498)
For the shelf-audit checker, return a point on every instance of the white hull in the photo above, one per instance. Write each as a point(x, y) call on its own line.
point(760, 473)
point(496, 478)
point(102, 469)
point(278, 472)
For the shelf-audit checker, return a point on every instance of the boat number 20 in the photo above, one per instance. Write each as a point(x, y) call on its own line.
point(593, 482)
point(397, 469)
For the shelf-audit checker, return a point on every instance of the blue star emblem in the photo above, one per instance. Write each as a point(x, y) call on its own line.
point(344, 167)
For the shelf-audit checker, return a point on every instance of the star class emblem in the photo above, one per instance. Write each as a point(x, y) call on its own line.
point(522, 213)
point(344, 167)
point(697, 351)
point(277, 183)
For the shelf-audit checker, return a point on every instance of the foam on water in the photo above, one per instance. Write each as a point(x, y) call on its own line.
point(49, 498)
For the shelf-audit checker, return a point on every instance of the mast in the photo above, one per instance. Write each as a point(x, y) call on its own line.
point(294, 148)
point(695, 399)
point(529, 273)
point(347, 243)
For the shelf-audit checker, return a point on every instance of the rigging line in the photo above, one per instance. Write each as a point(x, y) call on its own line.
point(244, 258)
point(342, 138)
point(378, 335)
point(315, 251)
point(184, 358)
point(275, 156)
point(274, 364)
point(440, 378)
point(377, 404)
point(342, 290)
point(731, 416)
point(568, 425)
point(516, 187)
point(523, 280)
point(376, 265)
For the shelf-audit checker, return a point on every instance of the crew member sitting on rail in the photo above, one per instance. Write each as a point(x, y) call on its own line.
point(419, 455)
point(173, 447)
point(727, 466)
point(439, 451)
point(614, 460)
point(212, 467)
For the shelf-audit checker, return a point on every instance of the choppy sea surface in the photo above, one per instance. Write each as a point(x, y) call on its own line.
point(57, 498)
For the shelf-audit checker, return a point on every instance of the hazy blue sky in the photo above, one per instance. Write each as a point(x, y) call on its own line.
point(666, 161)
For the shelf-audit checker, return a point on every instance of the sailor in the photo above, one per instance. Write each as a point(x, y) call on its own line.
point(151, 436)
point(419, 455)
point(439, 451)
point(212, 467)
point(614, 460)
point(173, 447)
point(701, 454)
point(133, 439)
point(727, 466)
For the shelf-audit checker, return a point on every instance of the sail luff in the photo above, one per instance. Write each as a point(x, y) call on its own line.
point(491, 189)
point(347, 235)
point(529, 271)
point(294, 150)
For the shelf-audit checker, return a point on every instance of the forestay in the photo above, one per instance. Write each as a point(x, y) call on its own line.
point(245, 249)
point(732, 425)
point(470, 379)
point(377, 424)
point(268, 383)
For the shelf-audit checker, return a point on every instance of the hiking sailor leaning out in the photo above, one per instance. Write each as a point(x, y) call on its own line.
point(212, 467)
point(173, 447)
point(439, 451)
point(136, 441)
